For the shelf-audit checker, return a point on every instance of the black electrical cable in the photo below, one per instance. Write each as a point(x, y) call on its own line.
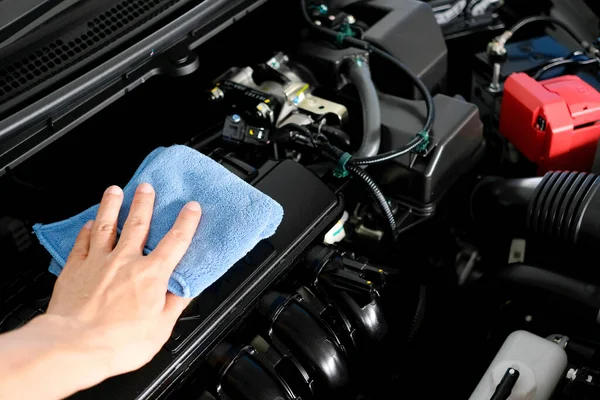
point(425, 93)
point(334, 154)
point(424, 134)
point(565, 62)
point(422, 137)
point(552, 20)
point(390, 155)
point(295, 131)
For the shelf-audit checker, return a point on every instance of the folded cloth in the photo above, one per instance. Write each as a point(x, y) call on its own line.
point(235, 216)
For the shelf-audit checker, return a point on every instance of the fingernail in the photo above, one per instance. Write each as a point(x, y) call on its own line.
point(114, 190)
point(193, 206)
point(88, 225)
point(145, 188)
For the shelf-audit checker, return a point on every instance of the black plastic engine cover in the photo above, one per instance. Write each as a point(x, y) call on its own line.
point(309, 206)
point(407, 29)
point(456, 146)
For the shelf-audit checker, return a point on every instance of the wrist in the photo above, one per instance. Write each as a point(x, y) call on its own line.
point(74, 339)
point(48, 349)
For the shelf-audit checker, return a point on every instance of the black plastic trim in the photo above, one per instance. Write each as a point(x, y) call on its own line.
point(123, 72)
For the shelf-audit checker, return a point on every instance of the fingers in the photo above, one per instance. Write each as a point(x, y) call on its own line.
point(104, 230)
point(135, 230)
point(82, 243)
point(174, 306)
point(173, 246)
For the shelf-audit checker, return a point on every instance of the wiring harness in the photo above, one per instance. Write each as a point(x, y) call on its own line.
point(347, 164)
point(497, 47)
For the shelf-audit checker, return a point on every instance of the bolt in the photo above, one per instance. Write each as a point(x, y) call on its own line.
point(495, 84)
point(528, 318)
point(236, 118)
point(350, 19)
point(331, 18)
point(317, 22)
point(572, 374)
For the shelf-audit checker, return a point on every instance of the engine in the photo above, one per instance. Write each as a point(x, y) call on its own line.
point(441, 197)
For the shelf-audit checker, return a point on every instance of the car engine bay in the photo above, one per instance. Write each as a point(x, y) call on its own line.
point(437, 165)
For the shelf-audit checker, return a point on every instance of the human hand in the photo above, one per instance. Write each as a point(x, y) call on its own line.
point(113, 298)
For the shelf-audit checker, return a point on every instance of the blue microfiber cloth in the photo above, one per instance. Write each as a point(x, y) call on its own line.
point(235, 216)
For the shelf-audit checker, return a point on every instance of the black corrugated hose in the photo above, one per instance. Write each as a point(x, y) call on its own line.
point(334, 155)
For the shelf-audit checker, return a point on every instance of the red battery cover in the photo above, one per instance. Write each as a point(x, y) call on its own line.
point(554, 123)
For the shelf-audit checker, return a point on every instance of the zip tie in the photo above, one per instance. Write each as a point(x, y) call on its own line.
point(345, 31)
point(340, 170)
point(422, 147)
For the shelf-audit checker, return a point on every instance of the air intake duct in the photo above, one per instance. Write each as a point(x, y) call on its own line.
point(563, 205)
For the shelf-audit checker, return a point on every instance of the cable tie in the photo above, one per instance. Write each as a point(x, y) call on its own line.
point(345, 31)
point(340, 170)
point(422, 147)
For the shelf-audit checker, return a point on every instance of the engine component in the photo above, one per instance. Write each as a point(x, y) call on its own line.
point(309, 340)
point(354, 285)
point(292, 326)
point(425, 54)
point(496, 48)
point(14, 233)
point(553, 122)
point(419, 182)
point(237, 130)
point(247, 375)
point(532, 56)
point(299, 319)
point(583, 297)
point(343, 66)
point(270, 95)
point(561, 205)
point(328, 63)
point(583, 383)
point(540, 364)
point(310, 208)
point(459, 16)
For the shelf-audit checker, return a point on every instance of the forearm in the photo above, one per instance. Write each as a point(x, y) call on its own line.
point(46, 360)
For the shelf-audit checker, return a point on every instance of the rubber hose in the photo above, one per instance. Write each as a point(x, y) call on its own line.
point(360, 75)
point(336, 134)
point(563, 205)
point(419, 314)
point(587, 295)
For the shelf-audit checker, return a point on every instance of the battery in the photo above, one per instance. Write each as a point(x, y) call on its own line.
point(554, 123)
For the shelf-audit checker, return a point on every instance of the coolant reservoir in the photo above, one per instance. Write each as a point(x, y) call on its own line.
point(540, 362)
